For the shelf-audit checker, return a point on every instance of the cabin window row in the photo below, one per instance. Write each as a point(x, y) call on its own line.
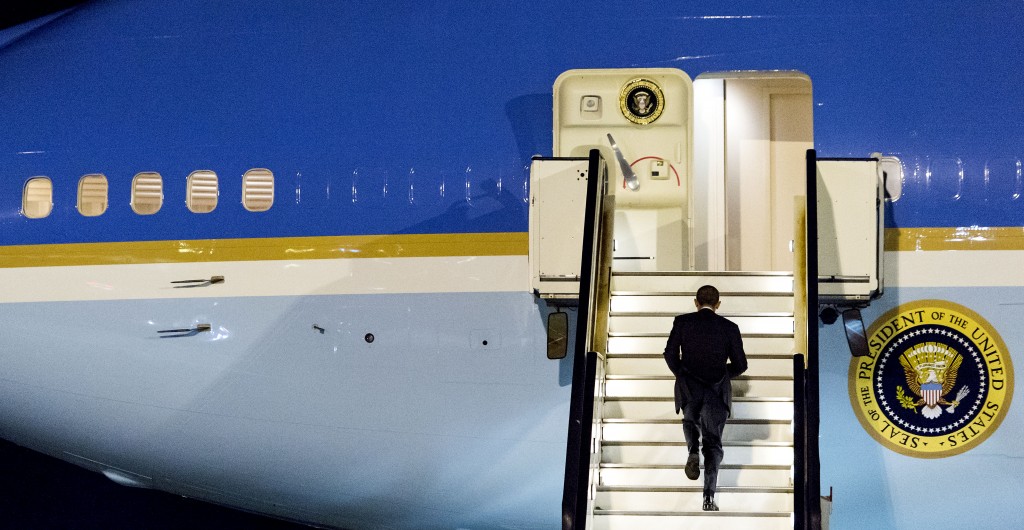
point(147, 193)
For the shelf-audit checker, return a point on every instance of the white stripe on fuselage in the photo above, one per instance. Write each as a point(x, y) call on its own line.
point(947, 268)
point(456, 274)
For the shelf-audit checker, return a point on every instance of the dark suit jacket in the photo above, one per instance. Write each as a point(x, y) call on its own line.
point(704, 348)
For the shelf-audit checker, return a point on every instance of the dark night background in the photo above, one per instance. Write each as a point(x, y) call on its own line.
point(37, 491)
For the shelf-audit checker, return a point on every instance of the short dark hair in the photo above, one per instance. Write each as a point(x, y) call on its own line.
point(707, 295)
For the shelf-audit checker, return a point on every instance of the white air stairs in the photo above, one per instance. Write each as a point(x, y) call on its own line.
point(641, 480)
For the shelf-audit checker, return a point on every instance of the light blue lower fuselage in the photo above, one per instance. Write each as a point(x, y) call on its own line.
point(424, 427)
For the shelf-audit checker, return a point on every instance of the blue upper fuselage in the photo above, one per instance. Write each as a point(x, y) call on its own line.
point(379, 118)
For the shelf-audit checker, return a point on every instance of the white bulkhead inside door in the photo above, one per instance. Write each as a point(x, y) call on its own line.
point(753, 130)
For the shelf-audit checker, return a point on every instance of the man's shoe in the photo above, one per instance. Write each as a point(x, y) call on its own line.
point(693, 467)
point(709, 504)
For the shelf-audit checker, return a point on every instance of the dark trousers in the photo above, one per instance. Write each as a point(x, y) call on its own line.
point(704, 417)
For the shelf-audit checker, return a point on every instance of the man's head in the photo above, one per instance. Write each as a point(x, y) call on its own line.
point(707, 296)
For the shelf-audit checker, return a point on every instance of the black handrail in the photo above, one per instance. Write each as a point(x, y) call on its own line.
point(807, 464)
point(584, 374)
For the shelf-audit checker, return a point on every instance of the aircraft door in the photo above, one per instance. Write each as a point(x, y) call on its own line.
point(640, 121)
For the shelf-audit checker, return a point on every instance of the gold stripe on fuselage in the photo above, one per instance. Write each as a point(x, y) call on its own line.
point(953, 238)
point(271, 248)
point(411, 245)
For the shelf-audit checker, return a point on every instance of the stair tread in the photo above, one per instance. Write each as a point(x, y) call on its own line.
point(725, 314)
point(631, 377)
point(731, 443)
point(697, 488)
point(666, 335)
point(710, 274)
point(722, 294)
point(766, 467)
point(599, 512)
point(788, 356)
point(735, 399)
point(731, 421)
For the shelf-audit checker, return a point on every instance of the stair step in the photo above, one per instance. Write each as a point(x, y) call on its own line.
point(663, 408)
point(691, 520)
point(687, 282)
point(656, 344)
point(674, 453)
point(729, 499)
point(770, 324)
point(672, 431)
point(667, 476)
point(654, 364)
point(658, 354)
point(678, 303)
point(664, 386)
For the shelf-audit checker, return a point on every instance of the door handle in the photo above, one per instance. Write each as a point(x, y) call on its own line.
point(184, 332)
point(198, 283)
point(628, 176)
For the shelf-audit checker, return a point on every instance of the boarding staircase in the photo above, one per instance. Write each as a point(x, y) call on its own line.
point(640, 480)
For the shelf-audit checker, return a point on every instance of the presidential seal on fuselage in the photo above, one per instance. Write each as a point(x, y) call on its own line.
point(937, 380)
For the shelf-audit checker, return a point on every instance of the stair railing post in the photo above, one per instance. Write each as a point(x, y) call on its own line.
point(812, 407)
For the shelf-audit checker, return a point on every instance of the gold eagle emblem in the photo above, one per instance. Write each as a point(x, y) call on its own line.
point(931, 370)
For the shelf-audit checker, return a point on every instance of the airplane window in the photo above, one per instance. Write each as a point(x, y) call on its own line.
point(202, 191)
point(147, 193)
point(945, 178)
point(258, 190)
point(37, 198)
point(92, 195)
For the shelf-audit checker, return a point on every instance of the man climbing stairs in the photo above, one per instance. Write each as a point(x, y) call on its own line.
point(641, 483)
